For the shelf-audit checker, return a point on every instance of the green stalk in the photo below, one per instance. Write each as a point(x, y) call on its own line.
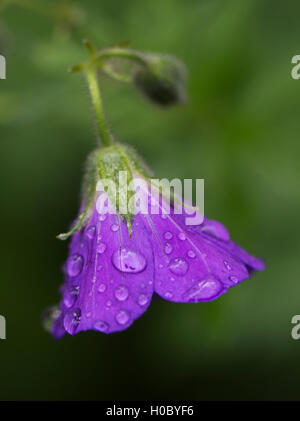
point(122, 53)
point(94, 89)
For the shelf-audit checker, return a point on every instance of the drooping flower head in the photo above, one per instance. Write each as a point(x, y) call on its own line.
point(129, 243)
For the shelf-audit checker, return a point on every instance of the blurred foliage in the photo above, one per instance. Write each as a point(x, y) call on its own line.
point(238, 130)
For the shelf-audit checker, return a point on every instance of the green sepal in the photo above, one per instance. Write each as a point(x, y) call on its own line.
point(111, 161)
point(137, 163)
point(106, 164)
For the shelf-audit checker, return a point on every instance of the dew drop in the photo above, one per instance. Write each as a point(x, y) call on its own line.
point(114, 227)
point(168, 248)
point(234, 279)
point(101, 326)
point(191, 254)
point(168, 294)
point(227, 265)
point(72, 320)
point(143, 299)
point(204, 290)
point(168, 235)
point(122, 317)
point(70, 296)
point(128, 260)
point(182, 236)
point(101, 247)
point(102, 217)
point(178, 266)
point(121, 293)
point(90, 232)
point(74, 264)
point(108, 304)
point(102, 288)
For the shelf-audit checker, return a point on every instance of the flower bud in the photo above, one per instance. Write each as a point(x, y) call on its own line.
point(162, 80)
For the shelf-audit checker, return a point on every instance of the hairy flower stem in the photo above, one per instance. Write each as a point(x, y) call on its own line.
point(90, 72)
point(94, 89)
point(125, 53)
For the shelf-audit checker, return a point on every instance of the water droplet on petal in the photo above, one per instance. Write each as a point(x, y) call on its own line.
point(121, 293)
point(128, 260)
point(108, 304)
point(168, 235)
point(227, 265)
point(90, 232)
point(101, 247)
point(182, 236)
point(72, 320)
point(168, 294)
point(178, 266)
point(122, 317)
point(163, 216)
point(101, 326)
point(234, 279)
point(114, 227)
point(191, 254)
point(88, 314)
point(143, 299)
point(102, 217)
point(206, 289)
point(74, 264)
point(70, 296)
point(168, 248)
point(102, 287)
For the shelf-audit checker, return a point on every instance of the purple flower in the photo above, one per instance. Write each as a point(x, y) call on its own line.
point(111, 276)
point(121, 252)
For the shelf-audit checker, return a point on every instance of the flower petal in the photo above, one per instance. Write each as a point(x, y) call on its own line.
point(109, 276)
point(195, 264)
point(216, 233)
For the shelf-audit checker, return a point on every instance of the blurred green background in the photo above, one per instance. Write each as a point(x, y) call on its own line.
point(239, 131)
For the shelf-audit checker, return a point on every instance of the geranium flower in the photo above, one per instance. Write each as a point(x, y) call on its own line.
point(119, 258)
point(111, 273)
